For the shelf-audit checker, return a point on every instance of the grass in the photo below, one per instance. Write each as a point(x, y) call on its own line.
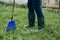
point(51, 30)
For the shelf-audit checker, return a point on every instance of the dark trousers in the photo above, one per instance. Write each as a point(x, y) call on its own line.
point(34, 5)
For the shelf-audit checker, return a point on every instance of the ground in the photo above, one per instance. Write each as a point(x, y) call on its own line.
point(51, 30)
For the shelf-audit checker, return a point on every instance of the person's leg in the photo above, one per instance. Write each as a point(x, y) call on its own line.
point(31, 15)
point(40, 16)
